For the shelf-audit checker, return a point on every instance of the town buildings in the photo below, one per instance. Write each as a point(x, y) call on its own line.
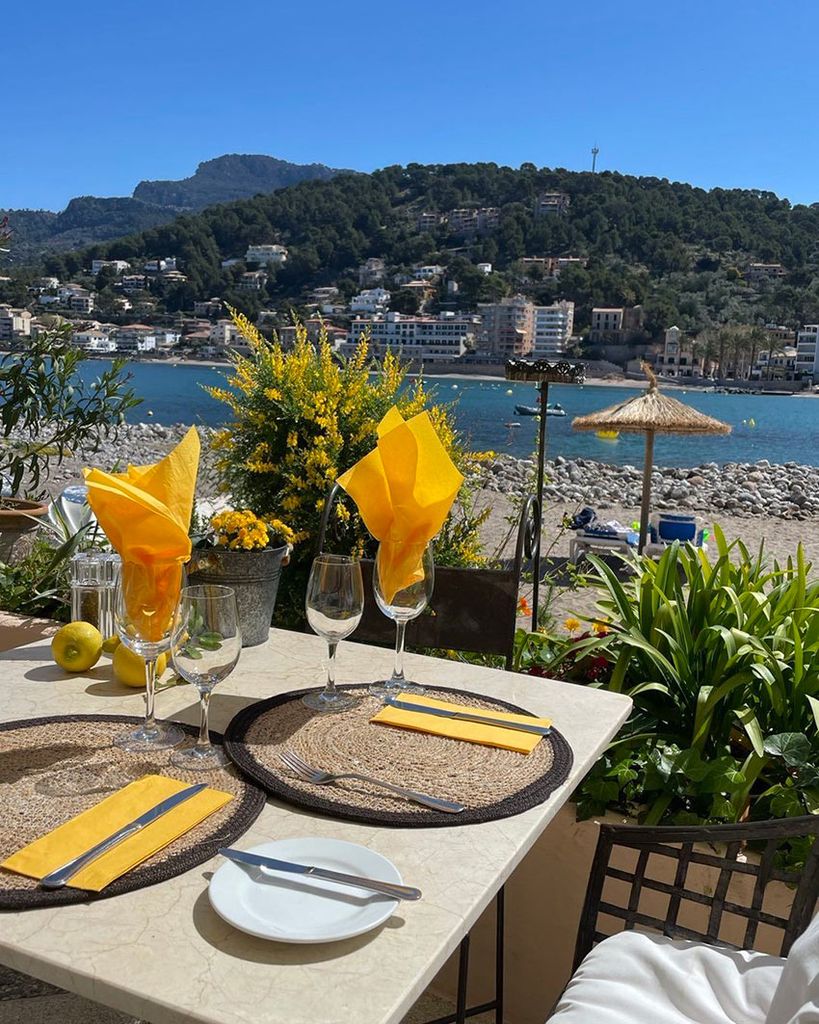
point(552, 330)
point(807, 352)
point(118, 266)
point(469, 221)
point(208, 308)
point(677, 356)
point(428, 221)
point(266, 255)
point(253, 280)
point(371, 300)
point(371, 272)
point(552, 204)
point(14, 323)
point(507, 327)
point(776, 364)
point(757, 273)
point(422, 338)
point(616, 325)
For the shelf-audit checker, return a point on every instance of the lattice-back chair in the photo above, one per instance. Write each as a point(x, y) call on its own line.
point(677, 846)
point(471, 609)
point(714, 957)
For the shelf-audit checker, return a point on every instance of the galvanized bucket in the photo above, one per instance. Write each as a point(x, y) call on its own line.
point(254, 575)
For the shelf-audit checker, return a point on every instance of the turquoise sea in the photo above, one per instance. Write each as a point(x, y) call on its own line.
point(775, 428)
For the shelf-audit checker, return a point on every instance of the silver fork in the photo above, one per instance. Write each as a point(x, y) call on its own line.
point(295, 764)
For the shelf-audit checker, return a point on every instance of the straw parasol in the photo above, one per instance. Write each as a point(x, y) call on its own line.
point(650, 413)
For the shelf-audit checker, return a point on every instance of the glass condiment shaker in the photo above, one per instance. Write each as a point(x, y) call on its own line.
point(87, 589)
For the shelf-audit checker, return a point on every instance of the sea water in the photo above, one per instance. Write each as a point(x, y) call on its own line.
point(780, 429)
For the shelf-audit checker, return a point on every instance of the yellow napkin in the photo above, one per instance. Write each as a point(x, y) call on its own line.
point(404, 490)
point(146, 513)
point(471, 732)
point(79, 834)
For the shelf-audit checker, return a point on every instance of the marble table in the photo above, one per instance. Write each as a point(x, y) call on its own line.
point(163, 955)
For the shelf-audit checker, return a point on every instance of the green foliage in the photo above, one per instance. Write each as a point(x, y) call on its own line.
point(677, 249)
point(299, 419)
point(721, 659)
point(46, 410)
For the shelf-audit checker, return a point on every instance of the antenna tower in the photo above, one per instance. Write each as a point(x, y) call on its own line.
point(594, 152)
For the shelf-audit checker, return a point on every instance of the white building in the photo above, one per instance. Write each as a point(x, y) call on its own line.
point(14, 323)
point(159, 265)
point(224, 332)
point(253, 280)
point(371, 272)
point(553, 329)
point(81, 301)
point(485, 268)
point(209, 307)
point(807, 351)
point(133, 282)
point(266, 254)
point(677, 358)
point(371, 300)
point(118, 266)
point(427, 273)
point(423, 338)
point(134, 338)
point(91, 337)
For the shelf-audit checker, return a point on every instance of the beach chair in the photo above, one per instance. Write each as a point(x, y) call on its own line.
point(666, 527)
point(591, 535)
point(677, 965)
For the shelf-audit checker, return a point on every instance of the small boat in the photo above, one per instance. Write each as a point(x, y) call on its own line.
point(608, 435)
point(555, 409)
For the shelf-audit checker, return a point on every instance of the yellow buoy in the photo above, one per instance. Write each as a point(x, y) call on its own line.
point(608, 435)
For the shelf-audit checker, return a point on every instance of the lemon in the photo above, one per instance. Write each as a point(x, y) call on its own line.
point(129, 668)
point(111, 644)
point(77, 646)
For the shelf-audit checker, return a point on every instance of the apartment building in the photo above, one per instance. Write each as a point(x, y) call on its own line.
point(553, 326)
point(81, 301)
point(776, 364)
point(253, 281)
point(469, 221)
point(757, 273)
point(807, 352)
point(371, 272)
point(133, 282)
point(428, 272)
point(507, 327)
point(428, 221)
point(118, 266)
point(371, 300)
point(616, 325)
point(208, 307)
point(157, 266)
point(14, 323)
point(265, 255)
point(223, 332)
point(422, 338)
point(552, 204)
point(677, 357)
point(134, 338)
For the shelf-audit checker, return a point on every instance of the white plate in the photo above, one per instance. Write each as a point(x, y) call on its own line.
point(296, 908)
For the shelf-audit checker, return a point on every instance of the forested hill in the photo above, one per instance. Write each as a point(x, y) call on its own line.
point(89, 219)
point(680, 250)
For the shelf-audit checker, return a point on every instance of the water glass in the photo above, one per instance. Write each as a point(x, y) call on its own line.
point(205, 648)
point(144, 608)
point(334, 604)
point(404, 605)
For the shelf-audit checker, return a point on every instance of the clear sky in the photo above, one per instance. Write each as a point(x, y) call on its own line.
point(98, 95)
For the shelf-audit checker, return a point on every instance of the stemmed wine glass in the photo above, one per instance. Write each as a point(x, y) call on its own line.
point(205, 648)
point(335, 604)
point(144, 606)
point(405, 604)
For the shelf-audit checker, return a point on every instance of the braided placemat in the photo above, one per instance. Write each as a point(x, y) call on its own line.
point(491, 783)
point(53, 768)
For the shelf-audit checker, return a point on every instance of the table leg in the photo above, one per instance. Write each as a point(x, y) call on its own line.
point(462, 1013)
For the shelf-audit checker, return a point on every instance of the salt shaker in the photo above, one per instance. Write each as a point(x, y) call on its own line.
point(87, 589)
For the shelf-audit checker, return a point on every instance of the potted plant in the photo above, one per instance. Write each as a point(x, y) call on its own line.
point(246, 552)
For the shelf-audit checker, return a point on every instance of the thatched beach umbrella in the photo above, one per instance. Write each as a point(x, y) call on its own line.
point(650, 413)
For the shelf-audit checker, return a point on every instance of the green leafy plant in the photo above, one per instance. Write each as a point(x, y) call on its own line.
point(721, 659)
point(47, 410)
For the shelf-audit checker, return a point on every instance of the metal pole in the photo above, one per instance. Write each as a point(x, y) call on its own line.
point(648, 465)
point(543, 387)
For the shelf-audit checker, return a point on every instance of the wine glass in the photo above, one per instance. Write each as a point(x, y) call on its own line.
point(205, 648)
point(144, 605)
point(335, 604)
point(404, 605)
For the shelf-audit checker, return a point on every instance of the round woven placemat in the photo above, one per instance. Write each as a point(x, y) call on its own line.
point(45, 761)
point(491, 783)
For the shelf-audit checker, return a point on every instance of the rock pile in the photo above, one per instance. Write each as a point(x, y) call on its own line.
point(789, 491)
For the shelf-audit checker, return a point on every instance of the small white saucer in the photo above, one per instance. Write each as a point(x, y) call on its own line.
point(300, 908)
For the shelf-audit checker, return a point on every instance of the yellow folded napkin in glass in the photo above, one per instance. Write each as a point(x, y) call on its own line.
point(404, 490)
point(146, 514)
point(471, 732)
point(74, 837)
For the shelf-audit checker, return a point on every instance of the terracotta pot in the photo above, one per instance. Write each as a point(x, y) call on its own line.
point(17, 520)
point(254, 575)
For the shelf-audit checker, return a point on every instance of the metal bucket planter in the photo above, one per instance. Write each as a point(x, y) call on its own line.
point(254, 575)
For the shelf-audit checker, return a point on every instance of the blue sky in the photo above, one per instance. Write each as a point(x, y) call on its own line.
point(99, 95)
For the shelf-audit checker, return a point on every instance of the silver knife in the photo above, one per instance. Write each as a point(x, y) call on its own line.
point(466, 716)
point(58, 878)
point(398, 892)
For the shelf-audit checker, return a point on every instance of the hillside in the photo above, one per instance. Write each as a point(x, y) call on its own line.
point(226, 178)
point(89, 219)
point(679, 250)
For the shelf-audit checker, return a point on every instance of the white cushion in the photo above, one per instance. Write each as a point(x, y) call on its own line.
point(636, 978)
point(796, 1000)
